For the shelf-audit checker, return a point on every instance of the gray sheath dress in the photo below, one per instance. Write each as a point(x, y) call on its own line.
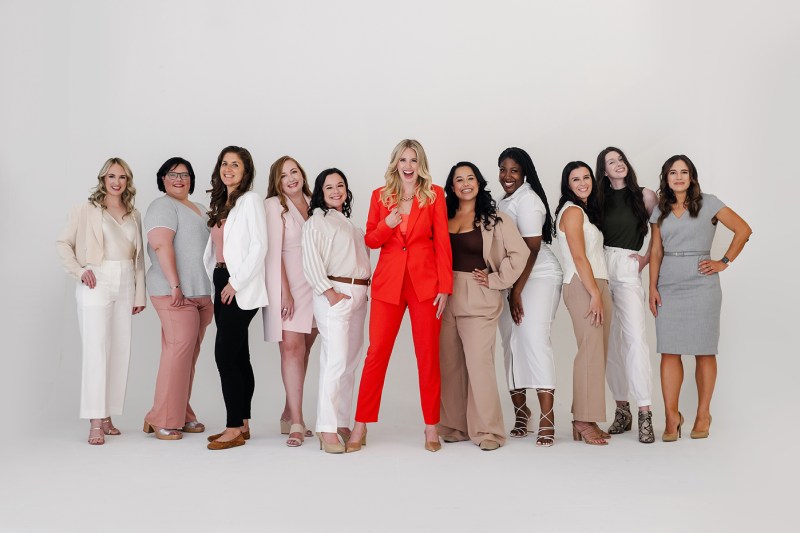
point(688, 319)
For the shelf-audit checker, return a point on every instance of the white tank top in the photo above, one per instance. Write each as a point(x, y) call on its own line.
point(593, 238)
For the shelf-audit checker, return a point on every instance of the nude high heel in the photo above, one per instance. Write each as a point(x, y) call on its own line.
point(701, 434)
point(330, 448)
point(672, 437)
point(356, 446)
point(162, 433)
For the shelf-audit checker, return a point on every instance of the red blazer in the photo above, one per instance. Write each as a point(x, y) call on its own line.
point(424, 251)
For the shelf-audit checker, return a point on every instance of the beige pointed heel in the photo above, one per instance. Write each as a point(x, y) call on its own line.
point(672, 437)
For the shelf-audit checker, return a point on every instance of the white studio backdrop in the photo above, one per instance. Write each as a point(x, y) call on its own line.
point(339, 84)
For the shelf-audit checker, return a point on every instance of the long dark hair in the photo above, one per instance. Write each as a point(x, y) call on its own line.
point(318, 198)
point(485, 206)
point(591, 207)
point(220, 203)
point(633, 193)
point(666, 196)
point(522, 158)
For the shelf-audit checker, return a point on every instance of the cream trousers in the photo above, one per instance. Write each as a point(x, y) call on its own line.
point(104, 318)
point(341, 330)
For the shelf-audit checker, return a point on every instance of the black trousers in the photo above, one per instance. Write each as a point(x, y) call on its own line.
point(232, 353)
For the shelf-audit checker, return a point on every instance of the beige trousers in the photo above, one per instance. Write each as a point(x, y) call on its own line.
point(470, 405)
point(589, 368)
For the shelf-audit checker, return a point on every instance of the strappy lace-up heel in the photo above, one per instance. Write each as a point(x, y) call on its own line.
point(521, 417)
point(545, 441)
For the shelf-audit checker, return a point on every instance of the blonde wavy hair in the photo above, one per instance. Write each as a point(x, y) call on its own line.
point(98, 196)
point(274, 188)
point(424, 189)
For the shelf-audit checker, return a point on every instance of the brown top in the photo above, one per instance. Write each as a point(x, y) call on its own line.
point(467, 251)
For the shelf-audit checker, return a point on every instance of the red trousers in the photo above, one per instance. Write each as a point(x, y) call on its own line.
point(384, 323)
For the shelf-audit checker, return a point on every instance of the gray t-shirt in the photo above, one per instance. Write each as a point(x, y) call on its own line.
point(191, 235)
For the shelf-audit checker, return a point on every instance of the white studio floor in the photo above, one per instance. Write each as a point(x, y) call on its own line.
point(732, 481)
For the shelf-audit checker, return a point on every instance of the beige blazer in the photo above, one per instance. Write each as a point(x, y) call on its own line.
point(505, 252)
point(81, 243)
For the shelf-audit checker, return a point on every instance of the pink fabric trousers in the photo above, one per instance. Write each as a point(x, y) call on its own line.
point(182, 331)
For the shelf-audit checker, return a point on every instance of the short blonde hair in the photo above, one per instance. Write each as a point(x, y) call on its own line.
point(424, 187)
point(99, 193)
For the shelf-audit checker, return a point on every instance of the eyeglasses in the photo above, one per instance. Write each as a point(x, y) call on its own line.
point(174, 176)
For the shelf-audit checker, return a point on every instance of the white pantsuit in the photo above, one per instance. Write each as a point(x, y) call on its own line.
point(341, 331)
point(104, 318)
point(628, 368)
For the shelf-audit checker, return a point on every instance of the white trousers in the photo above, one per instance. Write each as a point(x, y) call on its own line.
point(104, 318)
point(341, 329)
point(628, 369)
point(527, 350)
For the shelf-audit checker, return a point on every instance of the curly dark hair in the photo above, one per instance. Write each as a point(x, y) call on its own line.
point(633, 193)
point(318, 198)
point(485, 206)
point(220, 204)
point(591, 207)
point(521, 157)
point(666, 196)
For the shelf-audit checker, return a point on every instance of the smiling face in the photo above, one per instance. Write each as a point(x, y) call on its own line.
point(231, 170)
point(334, 191)
point(465, 184)
point(408, 167)
point(511, 176)
point(580, 183)
point(177, 182)
point(115, 180)
point(679, 177)
point(291, 179)
point(616, 168)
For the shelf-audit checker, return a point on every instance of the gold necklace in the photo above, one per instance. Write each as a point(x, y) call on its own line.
point(406, 198)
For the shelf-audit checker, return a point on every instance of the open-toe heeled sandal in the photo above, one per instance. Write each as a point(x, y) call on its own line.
point(545, 441)
point(294, 442)
point(99, 436)
point(589, 434)
point(108, 427)
point(521, 417)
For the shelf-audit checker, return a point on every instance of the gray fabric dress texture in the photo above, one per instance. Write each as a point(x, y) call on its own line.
point(688, 319)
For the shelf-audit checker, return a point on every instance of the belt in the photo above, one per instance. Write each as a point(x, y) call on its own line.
point(221, 265)
point(350, 281)
point(685, 254)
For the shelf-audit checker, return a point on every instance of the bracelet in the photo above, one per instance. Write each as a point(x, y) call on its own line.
point(176, 287)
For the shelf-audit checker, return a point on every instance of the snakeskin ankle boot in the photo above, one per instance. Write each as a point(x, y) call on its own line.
point(623, 419)
point(646, 434)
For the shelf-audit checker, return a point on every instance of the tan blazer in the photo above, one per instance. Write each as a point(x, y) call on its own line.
point(81, 244)
point(505, 252)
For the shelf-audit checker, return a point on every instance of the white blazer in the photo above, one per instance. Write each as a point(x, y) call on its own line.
point(244, 246)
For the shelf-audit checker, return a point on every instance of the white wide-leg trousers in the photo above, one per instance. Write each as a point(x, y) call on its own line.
point(628, 370)
point(104, 318)
point(341, 329)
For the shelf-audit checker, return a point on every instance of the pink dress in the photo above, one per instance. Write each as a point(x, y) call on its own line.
point(284, 234)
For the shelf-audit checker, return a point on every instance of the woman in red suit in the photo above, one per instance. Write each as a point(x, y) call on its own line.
point(408, 222)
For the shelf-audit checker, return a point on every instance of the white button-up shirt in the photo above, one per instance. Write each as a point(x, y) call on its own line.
point(333, 246)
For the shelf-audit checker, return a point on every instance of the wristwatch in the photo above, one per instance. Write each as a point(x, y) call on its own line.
point(725, 259)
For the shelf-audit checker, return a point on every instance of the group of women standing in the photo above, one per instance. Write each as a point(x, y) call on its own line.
point(463, 265)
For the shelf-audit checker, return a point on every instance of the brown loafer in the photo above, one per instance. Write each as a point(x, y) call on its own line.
point(217, 445)
point(212, 438)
